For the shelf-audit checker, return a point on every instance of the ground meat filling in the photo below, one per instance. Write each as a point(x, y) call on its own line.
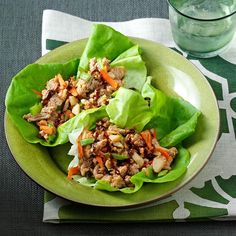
point(115, 154)
point(63, 99)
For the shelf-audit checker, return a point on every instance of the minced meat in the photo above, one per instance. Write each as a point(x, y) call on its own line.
point(63, 99)
point(116, 154)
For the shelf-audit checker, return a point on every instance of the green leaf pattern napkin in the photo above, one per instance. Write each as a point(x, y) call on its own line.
point(210, 195)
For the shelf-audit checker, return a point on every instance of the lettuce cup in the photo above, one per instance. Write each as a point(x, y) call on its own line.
point(119, 147)
point(42, 98)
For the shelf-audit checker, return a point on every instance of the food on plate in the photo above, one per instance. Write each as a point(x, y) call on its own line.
point(62, 99)
point(123, 130)
point(130, 141)
point(113, 154)
point(42, 98)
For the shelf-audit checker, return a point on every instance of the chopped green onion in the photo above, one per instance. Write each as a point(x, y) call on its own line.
point(92, 127)
point(86, 141)
point(51, 138)
point(119, 156)
point(83, 75)
point(36, 108)
point(51, 125)
point(114, 94)
point(107, 155)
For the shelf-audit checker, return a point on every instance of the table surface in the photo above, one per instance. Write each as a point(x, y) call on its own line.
point(21, 200)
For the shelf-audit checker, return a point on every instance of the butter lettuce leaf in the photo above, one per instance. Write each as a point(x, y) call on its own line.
point(128, 109)
point(104, 41)
point(136, 71)
point(174, 118)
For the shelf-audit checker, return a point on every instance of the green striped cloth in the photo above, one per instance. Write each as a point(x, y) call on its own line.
point(212, 194)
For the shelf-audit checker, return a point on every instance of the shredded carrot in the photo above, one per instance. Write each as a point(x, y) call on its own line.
point(72, 171)
point(169, 158)
point(108, 79)
point(42, 122)
point(163, 152)
point(69, 114)
point(73, 91)
point(36, 92)
point(46, 129)
point(146, 135)
point(80, 149)
point(100, 161)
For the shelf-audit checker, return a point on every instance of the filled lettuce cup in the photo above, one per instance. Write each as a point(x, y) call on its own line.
point(62, 99)
point(119, 147)
point(123, 130)
point(42, 98)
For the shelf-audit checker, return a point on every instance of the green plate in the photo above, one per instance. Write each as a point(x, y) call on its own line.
point(175, 76)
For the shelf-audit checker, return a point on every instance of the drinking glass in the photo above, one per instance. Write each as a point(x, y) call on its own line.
point(202, 28)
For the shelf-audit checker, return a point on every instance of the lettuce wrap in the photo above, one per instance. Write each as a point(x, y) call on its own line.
point(140, 117)
point(137, 105)
point(21, 97)
point(103, 42)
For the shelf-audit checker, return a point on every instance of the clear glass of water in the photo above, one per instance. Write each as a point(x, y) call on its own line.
point(202, 28)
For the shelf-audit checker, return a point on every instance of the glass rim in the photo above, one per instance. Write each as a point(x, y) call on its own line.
point(199, 19)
